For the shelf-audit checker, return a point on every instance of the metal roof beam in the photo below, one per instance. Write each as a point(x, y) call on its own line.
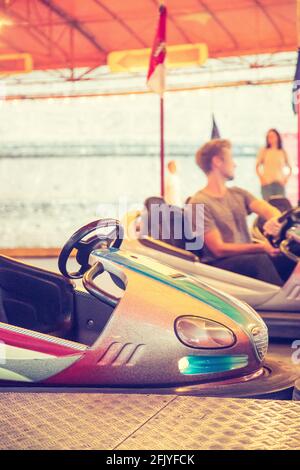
point(271, 20)
point(220, 23)
point(38, 35)
point(74, 23)
point(121, 22)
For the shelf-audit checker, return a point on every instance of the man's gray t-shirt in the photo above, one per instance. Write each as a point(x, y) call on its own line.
point(228, 214)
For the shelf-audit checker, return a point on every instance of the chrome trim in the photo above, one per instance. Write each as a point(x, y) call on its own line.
point(261, 340)
point(94, 289)
point(44, 337)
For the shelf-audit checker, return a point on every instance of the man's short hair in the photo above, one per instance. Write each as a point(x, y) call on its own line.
point(209, 150)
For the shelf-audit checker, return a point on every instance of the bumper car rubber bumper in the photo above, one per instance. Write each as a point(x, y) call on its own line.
point(276, 382)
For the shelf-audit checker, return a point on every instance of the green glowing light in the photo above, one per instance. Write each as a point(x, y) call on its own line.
point(191, 365)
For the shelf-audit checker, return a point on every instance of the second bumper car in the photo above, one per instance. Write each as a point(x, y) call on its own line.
point(278, 306)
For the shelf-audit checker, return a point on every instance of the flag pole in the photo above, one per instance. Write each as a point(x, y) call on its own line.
point(162, 147)
point(156, 82)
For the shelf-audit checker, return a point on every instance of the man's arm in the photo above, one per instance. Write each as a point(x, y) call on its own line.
point(264, 209)
point(270, 214)
point(221, 249)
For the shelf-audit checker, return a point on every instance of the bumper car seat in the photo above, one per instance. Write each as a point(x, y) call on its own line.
point(169, 229)
point(35, 299)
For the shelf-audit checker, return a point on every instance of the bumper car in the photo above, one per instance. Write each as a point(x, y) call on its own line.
point(278, 306)
point(127, 323)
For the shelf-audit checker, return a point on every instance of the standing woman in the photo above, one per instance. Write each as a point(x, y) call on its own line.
point(272, 166)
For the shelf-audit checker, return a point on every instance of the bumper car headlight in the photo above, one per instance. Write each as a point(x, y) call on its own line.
point(198, 332)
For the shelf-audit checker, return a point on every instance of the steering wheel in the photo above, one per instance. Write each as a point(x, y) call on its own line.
point(289, 219)
point(85, 247)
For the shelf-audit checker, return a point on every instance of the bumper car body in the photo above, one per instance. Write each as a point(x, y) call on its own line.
point(137, 323)
point(131, 324)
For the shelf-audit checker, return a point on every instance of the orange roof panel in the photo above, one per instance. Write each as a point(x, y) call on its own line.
point(74, 33)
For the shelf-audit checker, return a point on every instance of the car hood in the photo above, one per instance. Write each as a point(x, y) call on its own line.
point(235, 309)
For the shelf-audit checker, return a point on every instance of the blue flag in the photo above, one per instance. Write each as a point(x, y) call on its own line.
point(296, 84)
point(215, 133)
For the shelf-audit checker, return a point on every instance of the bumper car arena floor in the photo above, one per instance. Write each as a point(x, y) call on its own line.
point(135, 422)
point(158, 422)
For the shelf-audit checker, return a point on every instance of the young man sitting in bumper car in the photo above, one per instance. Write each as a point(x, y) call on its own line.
point(227, 241)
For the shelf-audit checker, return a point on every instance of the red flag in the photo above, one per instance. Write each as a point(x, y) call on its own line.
point(156, 71)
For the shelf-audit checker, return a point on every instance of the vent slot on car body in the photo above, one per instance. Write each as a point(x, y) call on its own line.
point(120, 354)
